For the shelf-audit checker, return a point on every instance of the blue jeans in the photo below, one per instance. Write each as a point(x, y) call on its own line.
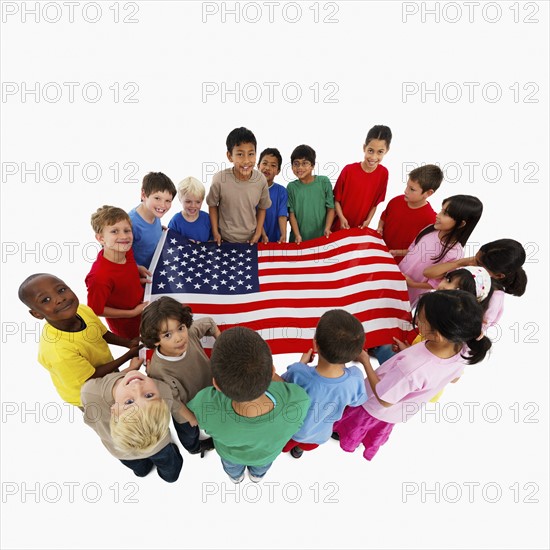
point(188, 436)
point(168, 462)
point(235, 471)
point(383, 353)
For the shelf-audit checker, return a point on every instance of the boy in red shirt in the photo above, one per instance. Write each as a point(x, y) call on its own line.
point(113, 283)
point(406, 215)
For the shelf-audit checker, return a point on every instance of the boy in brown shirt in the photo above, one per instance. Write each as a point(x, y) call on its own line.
point(179, 359)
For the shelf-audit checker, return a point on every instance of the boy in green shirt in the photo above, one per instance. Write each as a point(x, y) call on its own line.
point(249, 416)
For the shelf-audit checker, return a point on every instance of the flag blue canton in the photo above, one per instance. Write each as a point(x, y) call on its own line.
point(205, 268)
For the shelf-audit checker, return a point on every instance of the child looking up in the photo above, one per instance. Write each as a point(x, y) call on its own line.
point(131, 414)
point(310, 198)
point(450, 321)
point(406, 215)
point(361, 186)
point(249, 416)
point(238, 196)
point(276, 216)
point(157, 194)
point(113, 283)
point(331, 386)
point(440, 242)
point(179, 359)
point(73, 344)
point(192, 223)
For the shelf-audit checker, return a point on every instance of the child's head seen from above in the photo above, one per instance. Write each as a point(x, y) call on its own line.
point(242, 365)
point(339, 336)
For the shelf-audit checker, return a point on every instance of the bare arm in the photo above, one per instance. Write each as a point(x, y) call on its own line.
point(338, 209)
point(369, 218)
point(111, 366)
point(260, 218)
point(114, 313)
point(295, 228)
point(116, 340)
point(283, 220)
point(416, 284)
point(438, 271)
point(380, 228)
point(328, 221)
point(372, 377)
point(214, 218)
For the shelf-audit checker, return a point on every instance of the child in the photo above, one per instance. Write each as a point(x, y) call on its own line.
point(361, 186)
point(131, 414)
point(276, 216)
point(238, 196)
point(310, 198)
point(503, 259)
point(450, 321)
point(406, 215)
point(331, 386)
point(249, 416)
point(179, 358)
point(73, 345)
point(192, 222)
point(113, 283)
point(440, 242)
point(157, 194)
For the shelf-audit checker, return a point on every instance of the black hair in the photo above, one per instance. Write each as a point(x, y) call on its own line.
point(462, 208)
point(466, 282)
point(458, 317)
point(154, 182)
point(339, 336)
point(505, 257)
point(303, 152)
point(238, 136)
point(380, 132)
point(156, 313)
point(22, 292)
point(242, 364)
point(274, 152)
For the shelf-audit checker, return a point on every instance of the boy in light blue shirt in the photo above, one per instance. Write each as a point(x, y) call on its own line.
point(157, 193)
point(331, 386)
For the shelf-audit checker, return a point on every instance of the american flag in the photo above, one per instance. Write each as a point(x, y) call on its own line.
point(281, 290)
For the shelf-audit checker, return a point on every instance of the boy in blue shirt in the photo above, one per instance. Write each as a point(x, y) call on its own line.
point(157, 193)
point(276, 216)
point(331, 386)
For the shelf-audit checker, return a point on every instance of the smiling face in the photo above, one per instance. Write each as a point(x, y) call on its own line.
point(134, 389)
point(243, 157)
point(374, 150)
point(303, 170)
point(50, 298)
point(116, 238)
point(157, 203)
point(173, 338)
point(191, 206)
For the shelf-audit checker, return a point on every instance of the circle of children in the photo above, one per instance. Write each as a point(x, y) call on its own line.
point(250, 413)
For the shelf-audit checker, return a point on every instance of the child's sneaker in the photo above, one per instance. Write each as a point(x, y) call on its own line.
point(253, 478)
point(237, 480)
point(296, 452)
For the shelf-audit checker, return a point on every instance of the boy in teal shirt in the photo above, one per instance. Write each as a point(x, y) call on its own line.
point(310, 198)
point(249, 416)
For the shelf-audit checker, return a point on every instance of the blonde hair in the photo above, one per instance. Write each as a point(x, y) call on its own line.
point(141, 428)
point(108, 215)
point(191, 186)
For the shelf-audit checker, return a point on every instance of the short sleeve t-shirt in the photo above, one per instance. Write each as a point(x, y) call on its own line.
point(309, 203)
point(279, 207)
point(146, 237)
point(199, 230)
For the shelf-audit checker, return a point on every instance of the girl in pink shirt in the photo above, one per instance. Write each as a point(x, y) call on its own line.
point(440, 242)
point(450, 321)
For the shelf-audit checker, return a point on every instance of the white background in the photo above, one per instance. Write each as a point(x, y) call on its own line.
point(366, 54)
